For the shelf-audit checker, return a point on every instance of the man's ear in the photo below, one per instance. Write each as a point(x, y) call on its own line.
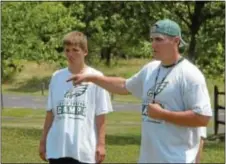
point(177, 40)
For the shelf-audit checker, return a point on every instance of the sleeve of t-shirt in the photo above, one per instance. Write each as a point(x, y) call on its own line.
point(49, 100)
point(103, 102)
point(196, 97)
point(135, 84)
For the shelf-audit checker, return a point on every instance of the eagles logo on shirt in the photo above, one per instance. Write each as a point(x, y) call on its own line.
point(76, 91)
point(159, 88)
point(72, 107)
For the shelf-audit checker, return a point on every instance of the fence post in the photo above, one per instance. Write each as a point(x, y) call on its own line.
point(215, 110)
point(42, 88)
point(1, 100)
point(112, 96)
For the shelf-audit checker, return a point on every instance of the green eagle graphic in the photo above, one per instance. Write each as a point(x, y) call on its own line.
point(159, 88)
point(76, 91)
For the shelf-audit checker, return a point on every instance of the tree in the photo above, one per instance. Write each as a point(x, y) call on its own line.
point(194, 15)
point(34, 31)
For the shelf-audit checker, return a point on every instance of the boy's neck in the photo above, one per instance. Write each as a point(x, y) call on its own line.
point(77, 69)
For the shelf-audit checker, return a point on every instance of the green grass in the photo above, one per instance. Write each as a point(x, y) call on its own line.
point(21, 145)
point(35, 117)
point(21, 117)
point(21, 112)
point(30, 79)
point(21, 131)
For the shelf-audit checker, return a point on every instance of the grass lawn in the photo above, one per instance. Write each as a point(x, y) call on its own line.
point(21, 130)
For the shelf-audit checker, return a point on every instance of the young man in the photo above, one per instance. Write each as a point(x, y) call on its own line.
point(74, 128)
point(175, 99)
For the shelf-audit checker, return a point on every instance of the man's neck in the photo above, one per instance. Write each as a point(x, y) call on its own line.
point(76, 69)
point(171, 61)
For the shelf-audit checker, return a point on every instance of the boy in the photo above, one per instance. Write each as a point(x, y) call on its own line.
point(74, 128)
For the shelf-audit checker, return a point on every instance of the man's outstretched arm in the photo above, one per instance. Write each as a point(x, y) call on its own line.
point(112, 84)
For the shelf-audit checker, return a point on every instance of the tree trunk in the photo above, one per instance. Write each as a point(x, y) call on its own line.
point(106, 54)
point(196, 22)
point(191, 49)
point(102, 53)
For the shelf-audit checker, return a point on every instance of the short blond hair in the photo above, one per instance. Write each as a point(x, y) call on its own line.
point(76, 38)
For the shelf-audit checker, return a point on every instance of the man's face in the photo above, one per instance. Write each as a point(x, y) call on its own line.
point(162, 45)
point(74, 54)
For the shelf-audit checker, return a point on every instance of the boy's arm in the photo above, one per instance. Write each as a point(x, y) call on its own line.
point(100, 150)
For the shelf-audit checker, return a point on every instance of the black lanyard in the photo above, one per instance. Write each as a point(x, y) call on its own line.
point(156, 78)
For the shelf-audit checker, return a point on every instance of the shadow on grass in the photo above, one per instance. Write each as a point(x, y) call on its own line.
point(214, 145)
point(32, 85)
point(218, 137)
point(126, 139)
point(35, 134)
point(123, 139)
point(18, 132)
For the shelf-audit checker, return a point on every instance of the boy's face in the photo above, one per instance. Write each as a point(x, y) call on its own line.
point(74, 54)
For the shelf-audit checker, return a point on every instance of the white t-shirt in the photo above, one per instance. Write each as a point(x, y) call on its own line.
point(184, 88)
point(203, 132)
point(73, 131)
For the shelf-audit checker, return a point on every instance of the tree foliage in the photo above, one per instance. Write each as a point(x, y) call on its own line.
point(34, 30)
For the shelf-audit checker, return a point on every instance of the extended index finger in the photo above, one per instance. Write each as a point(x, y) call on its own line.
point(71, 78)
